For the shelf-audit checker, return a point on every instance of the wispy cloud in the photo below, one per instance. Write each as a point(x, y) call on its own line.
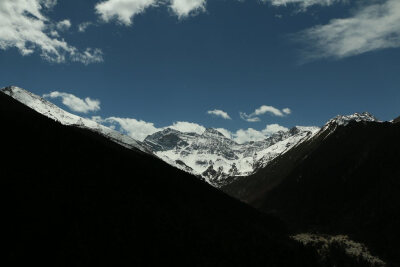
point(248, 118)
point(372, 27)
point(75, 103)
point(219, 113)
point(122, 11)
point(303, 3)
point(84, 25)
point(254, 117)
point(63, 25)
point(23, 26)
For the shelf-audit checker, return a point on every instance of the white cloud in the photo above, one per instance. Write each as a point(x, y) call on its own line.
point(63, 25)
point(90, 55)
point(248, 118)
point(254, 117)
point(242, 136)
point(122, 10)
point(54, 33)
point(219, 113)
point(183, 8)
point(303, 3)
point(83, 26)
point(268, 109)
point(137, 129)
point(97, 119)
point(225, 132)
point(372, 27)
point(23, 26)
point(273, 128)
point(287, 111)
point(75, 103)
point(187, 127)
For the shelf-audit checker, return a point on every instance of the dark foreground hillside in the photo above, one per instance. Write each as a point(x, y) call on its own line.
point(346, 182)
point(72, 198)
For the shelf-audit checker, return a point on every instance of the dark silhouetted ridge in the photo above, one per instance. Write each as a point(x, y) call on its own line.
point(71, 197)
point(346, 180)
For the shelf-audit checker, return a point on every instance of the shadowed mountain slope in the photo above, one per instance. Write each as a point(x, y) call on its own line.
point(346, 180)
point(71, 197)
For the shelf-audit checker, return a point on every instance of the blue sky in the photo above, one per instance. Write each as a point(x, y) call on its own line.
point(218, 63)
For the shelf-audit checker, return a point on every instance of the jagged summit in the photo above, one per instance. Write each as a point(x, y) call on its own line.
point(71, 197)
point(217, 158)
point(52, 111)
point(344, 120)
point(209, 155)
point(358, 117)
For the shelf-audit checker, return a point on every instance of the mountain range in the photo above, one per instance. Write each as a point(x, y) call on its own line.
point(73, 196)
point(218, 159)
point(344, 180)
point(89, 190)
point(210, 156)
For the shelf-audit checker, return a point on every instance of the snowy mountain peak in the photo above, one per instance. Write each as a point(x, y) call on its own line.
point(52, 111)
point(215, 157)
point(344, 120)
point(358, 117)
point(209, 155)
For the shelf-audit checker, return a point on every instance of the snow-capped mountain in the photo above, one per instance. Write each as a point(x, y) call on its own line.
point(210, 155)
point(216, 158)
point(358, 117)
point(344, 120)
point(50, 110)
